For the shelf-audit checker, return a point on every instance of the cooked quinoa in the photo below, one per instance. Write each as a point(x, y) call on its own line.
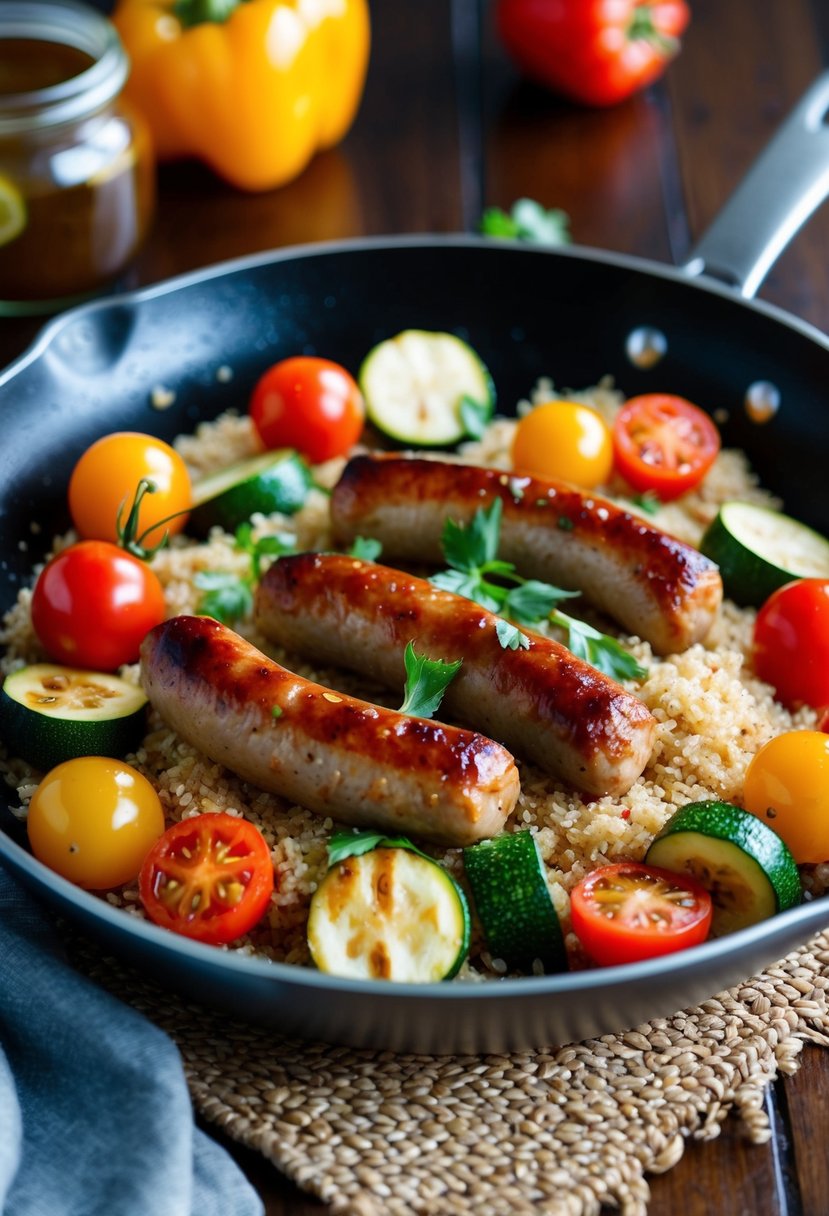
point(713, 715)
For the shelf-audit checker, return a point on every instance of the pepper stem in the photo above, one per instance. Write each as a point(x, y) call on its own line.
point(642, 29)
point(198, 12)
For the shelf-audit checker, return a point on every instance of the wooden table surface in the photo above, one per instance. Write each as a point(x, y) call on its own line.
point(435, 141)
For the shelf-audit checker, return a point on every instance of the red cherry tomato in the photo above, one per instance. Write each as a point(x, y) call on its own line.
point(93, 604)
point(627, 912)
point(312, 405)
point(664, 444)
point(791, 643)
point(209, 877)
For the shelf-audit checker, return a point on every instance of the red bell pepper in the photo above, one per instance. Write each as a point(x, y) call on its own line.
point(592, 51)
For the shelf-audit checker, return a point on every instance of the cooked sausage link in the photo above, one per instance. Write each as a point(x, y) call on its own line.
point(653, 585)
point(326, 751)
point(542, 702)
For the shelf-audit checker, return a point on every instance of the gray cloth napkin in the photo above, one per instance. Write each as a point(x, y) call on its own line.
point(95, 1116)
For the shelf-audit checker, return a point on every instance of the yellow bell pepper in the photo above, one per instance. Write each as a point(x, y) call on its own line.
point(252, 87)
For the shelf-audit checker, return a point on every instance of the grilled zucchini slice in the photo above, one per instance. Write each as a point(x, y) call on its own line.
point(426, 389)
point(390, 914)
point(745, 866)
point(50, 713)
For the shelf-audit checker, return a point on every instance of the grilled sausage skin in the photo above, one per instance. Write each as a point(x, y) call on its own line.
point(334, 754)
point(542, 701)
point(655, 586)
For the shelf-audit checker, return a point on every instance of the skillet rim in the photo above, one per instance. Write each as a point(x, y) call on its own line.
point(51, 329)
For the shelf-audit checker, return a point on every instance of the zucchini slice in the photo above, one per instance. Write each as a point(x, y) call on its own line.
point(264, 484)
point(758, 550)
point(426, 389)
point(389, 914)
point(745, 866)
point(513, 902)
point(49, 714)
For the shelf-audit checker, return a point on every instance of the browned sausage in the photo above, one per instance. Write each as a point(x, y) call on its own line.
point(326, 751)
point(653, 585)
point(542, 702)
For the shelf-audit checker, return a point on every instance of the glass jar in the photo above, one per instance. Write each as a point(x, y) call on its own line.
point(77, 178)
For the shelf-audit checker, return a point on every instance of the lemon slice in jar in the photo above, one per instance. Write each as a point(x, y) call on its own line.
point(12, 211)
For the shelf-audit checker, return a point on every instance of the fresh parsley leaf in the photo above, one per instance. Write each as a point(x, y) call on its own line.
point(467, 585)
point(540, 225)
point(474, 416)
point(510, 636)
point(272, 545)
point(647, 502)
point(532, 601)
point(527, 220)
point(354, 844)
point(478, 574)
point(426, 682)
point(603, 652)
point(496, 222)
point(469, 546)
point(366, 548)
point(227, 597)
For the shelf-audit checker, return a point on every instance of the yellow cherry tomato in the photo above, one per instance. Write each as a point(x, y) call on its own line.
point(107, 476)
point(93, 821)
point(787, 786)
point(564, 441)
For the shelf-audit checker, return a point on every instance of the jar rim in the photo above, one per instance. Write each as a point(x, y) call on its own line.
point(69, 23)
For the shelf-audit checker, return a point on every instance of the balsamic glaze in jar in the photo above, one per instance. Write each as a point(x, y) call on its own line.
point(76, 166)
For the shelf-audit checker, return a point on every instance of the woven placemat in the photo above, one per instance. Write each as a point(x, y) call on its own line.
point(561, 1131)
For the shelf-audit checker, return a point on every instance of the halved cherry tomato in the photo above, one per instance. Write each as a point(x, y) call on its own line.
point(106, 478)
point(787, 786)
point(664, 444)
point(93, 604)
point(791, 643)
point(92, 820)
point(309, 404)
point(564, 441)
point(626, 912)
point(209, 877)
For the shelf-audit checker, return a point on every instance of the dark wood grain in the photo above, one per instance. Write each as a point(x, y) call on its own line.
point(736, 80)
point(433, 143)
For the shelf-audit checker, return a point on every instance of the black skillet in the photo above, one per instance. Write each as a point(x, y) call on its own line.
point(97, 368)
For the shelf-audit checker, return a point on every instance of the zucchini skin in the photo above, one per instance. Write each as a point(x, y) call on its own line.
point(45, 739)
point(267, 484)
point(748, 869)
point(752, 571)
point(513, 902)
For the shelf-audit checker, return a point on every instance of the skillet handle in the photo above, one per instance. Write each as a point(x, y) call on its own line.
point(785, 185)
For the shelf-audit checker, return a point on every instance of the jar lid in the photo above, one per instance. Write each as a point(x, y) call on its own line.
point(70, 24)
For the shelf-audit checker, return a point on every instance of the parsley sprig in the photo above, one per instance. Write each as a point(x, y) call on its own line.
point(527, 220)
point(354, 844)
point(228, 597)
point(426, 682)
point(476, 572)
